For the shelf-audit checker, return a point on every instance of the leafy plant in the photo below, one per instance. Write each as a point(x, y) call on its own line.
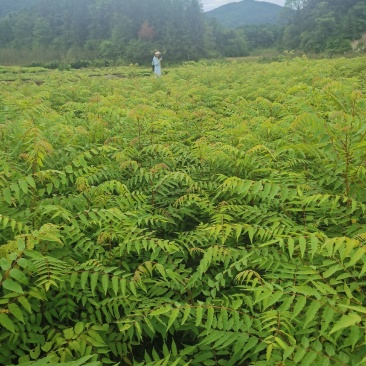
point(203, 218)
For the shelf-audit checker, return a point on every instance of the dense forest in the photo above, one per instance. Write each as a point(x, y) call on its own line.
point(327, 25)
point(117, 28)
point(130, 30)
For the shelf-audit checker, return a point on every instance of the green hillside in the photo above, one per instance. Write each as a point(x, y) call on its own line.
point(246, 12)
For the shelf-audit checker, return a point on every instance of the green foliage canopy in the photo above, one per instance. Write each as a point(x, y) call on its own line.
point(326, 25)
point(110, 29)
point(213, 216)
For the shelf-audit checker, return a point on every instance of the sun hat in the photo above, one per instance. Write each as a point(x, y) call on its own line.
point(157, 53)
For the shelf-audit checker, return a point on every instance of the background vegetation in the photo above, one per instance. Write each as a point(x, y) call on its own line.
point(129, 31)
point(327, 25)
point(214, 216)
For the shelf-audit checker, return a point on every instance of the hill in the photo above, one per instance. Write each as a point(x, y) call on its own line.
point(246, 12)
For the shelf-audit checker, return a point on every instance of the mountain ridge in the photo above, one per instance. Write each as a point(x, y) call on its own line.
point(245, 12)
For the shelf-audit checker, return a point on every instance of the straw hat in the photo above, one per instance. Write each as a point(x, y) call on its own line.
point(157, 53)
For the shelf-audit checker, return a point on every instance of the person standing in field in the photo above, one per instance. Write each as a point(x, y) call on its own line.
point(156, 62)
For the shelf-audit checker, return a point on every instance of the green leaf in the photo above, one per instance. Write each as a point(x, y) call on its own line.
point(68, 333)
point(5, 220)
point(6, 322)
point(203, 356)
point(138, 330)
point(15, 189)
point(23, 185)
point(273, 299)
point(309, 358)
point(19, 276)
point(133, 287)
point(47, 346)
point(302, 244)
point(252, 342)
point(269, 351)
point(16, 311)
point(281, 343)
point(95, 339)
point(288, 352)
point(105, 283)
point(314, 242)
point(173, 316)
point(160, 311)
point(115, 284)
point(355, 308)
point(93, 281)
point(299, 355)
point(35, 352)
point(83, 279)
point(79, 327)
point(149, 324)
point(346, 321)
point(123, 286)
point(199, 314)
point(187, 311)
point(82, 361)
point(25, 303)
point(7, 195)
point(357, 256)
point(312, 311)
point(30, 181)
point(210, 317)
point(22, 262)
point(124, 327)
point(5, 264)
point(331, 270)
point(298, 307)
point(291, 246)
point(73, 279)
point(12, 286)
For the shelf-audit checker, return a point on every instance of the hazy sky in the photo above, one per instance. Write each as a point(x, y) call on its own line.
point(212, 4)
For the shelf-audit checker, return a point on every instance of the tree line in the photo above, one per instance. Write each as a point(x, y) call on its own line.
point(130, 30)
point(111, 29)
point(326, 25)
